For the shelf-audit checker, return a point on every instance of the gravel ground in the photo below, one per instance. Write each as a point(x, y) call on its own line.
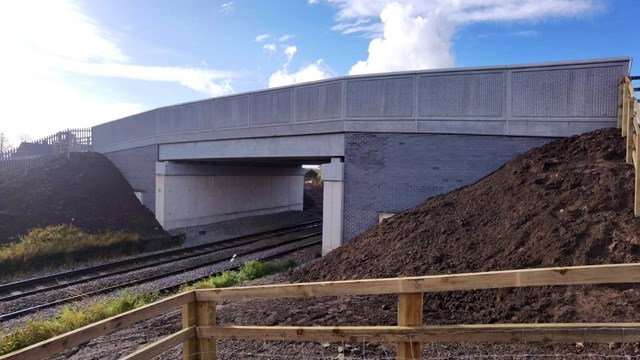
point(150, 286)
point(239, 227)
point(123, 342)
point(213, 233)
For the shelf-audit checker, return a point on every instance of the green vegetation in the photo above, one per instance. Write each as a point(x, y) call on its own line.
point(69, 319)
point(41, 244)
point(251, 270)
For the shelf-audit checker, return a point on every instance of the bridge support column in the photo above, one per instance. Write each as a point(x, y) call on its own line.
point(333, 204)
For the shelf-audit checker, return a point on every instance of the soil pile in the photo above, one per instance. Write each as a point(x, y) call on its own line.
point(84, 189)
point(566, 203)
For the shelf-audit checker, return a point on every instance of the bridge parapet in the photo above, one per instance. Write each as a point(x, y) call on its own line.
point(545, 100)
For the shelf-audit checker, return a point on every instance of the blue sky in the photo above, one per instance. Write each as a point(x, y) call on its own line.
point(77, 63)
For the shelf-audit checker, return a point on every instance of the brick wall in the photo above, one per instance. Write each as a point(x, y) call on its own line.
point(394, 172)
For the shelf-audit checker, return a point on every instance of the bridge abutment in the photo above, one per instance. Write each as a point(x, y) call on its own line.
point(189, 194)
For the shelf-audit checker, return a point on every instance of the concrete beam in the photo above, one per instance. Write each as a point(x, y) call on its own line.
point(316, 146)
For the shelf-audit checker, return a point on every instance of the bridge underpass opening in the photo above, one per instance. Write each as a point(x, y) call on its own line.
point(192, 193)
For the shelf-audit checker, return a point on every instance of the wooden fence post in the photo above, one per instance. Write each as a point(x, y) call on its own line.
point(620, 102)
point(409, 314)
point(206, 316)
point(189, 347)
point(625, 101)
point(636, 163)
point(630, 121)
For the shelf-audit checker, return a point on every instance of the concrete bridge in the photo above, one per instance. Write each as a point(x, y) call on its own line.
point(386, 142)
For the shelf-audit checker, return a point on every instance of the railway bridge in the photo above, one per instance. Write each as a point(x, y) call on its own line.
point(385, 142)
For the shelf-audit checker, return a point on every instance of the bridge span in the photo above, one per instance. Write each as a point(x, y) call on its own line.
point(386, 142)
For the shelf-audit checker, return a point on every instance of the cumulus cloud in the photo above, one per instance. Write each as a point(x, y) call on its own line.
point(408, 42)
point(270, 47)
point(416, 34)
point(312, 72)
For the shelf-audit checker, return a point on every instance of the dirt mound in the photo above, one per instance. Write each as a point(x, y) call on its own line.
point(566, 203)
point(84, 189)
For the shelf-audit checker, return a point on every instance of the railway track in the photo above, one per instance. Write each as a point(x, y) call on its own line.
point(292, 238)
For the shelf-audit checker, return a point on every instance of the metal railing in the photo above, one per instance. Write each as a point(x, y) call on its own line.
point(31, 154)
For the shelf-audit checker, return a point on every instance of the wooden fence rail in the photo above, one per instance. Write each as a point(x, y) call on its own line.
point(628, 118)
point(200, 331)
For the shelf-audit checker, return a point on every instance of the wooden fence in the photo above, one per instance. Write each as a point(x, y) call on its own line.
point(200, 331)
point(628, 117)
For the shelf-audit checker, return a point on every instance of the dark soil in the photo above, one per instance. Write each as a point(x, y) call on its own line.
point(85, 190)
point(566, 203)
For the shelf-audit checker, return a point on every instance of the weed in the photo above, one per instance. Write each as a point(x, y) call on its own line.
point(251, 270)
point(51, 241)
point(69, 319)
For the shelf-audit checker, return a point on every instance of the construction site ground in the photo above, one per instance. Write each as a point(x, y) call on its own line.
point(566, 203)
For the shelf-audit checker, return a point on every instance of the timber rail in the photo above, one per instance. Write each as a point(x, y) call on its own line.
point(628, 118)
point(200, 331)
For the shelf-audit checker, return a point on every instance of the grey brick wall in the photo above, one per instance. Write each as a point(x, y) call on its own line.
point(138, 166)
point(394, 172)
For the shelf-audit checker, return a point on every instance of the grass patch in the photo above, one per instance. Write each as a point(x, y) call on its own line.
point(251, 270)
point(43, 246)
point(69, 319)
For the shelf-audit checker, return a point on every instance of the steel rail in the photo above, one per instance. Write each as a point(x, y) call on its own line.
point(22, 312)
point(199, 249)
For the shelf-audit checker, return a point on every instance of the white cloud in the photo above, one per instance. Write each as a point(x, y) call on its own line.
point(227, 7)
point(313, 1)
point(37, 106)
point(312, 72)
point(262, 37)
point(290, 51)
point(408, 43)
point(284, 38)
point(44, 49)
point(412, 34)
point(270, 47)
point(209, 82)
point(57, 28)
